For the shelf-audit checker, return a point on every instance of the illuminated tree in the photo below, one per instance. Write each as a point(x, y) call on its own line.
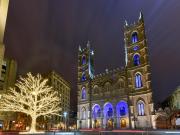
point(33, 97)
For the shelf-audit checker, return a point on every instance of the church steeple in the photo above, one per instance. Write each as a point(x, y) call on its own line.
point(85, 63)
point(138, 70)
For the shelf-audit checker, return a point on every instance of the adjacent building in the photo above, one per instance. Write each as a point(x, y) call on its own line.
point(118, 98)
point(173, 103)
point(8, 74)
point(63, 88)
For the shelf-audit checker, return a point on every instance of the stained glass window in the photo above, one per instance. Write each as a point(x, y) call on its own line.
point(141, 109)
point(83, 76)
point(136, 60)
point(135, 48)
point(134, 37)
point(138, 81)
point(83, 60)
point(110, 112)
point(122, 111)
point(83, 93)
point(96, 111)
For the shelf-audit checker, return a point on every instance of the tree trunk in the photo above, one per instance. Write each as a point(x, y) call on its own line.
point(33, 125)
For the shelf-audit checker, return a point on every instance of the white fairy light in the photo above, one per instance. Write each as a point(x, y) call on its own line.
point(33, 97)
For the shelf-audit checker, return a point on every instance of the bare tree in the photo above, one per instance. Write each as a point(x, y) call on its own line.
point(33, 97)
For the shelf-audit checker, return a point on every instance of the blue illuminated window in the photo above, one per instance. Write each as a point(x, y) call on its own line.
point(99, 113)
point(135, 48)
point(141, 109)
point(83, 96)
point(83, 77)
point(136, 60)
point(83, 60)
point(110, 112)
point(121, 108)
point(134, 37)
point(138, 81)
point(122, 111)
point(96, 111)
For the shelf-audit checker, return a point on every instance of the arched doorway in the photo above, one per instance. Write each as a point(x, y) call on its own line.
point(96, 115)
point(108, 115)
point(97, 124)
point(122, 114)
point(110, 124)
point(123, 123)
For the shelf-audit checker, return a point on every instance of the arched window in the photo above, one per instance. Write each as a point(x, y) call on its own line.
point(138, 81)
point(83, 113)
point(110, 112)
point(107, 86)
point(95, 89)
point(122, 111)
point(136, 60)
point(96, 111)
point(134, 37)
point(83, 93)
point(121, 108)
point(83, 77)
point(140, 107)
point(83, 59)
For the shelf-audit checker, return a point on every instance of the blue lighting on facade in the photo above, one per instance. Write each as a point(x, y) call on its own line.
point(122, 108)
point(136, 60)
point(108, 110)
point(135, 48)
point(83, 77)
point(83, 60)
point(134, 37)
point(83, 93)
point(138, 80)
point(96, 111)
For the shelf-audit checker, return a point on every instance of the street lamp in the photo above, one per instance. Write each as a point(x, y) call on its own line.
point(65, 116)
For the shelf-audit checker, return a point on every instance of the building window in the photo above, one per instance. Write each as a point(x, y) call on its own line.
point(136, 60)
point(96, 111)
point(108, 110)
point(138, 80)
point(134, 37)
point(122, 111)
point(83, 76)
point(121, 108)
point(140, 108)
point(83, 60)
point(83, 93)
point(83, 110)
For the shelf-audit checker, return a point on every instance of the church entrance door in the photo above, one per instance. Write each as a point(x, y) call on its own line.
point(123, 123)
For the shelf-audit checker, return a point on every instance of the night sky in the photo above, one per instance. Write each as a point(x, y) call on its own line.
point(45, 34)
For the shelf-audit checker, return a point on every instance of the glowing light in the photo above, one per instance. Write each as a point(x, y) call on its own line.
point(122, 108)
point(33, 98)
point(129, 131)
point(65, 114)
point(172, 132)
point(96, 111)
point(134, 37)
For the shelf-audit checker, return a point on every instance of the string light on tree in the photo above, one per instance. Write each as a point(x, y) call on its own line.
point(33, 97)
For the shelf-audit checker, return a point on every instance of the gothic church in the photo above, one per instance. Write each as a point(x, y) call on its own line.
point(121, 98)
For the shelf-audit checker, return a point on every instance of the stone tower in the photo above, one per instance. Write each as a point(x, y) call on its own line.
point(85, 75)
point(138, 74)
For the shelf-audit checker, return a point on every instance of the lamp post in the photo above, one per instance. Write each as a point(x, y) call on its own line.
point(135, 119)
point(65, 116)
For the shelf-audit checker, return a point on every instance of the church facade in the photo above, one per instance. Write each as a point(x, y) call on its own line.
point(120, 98)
